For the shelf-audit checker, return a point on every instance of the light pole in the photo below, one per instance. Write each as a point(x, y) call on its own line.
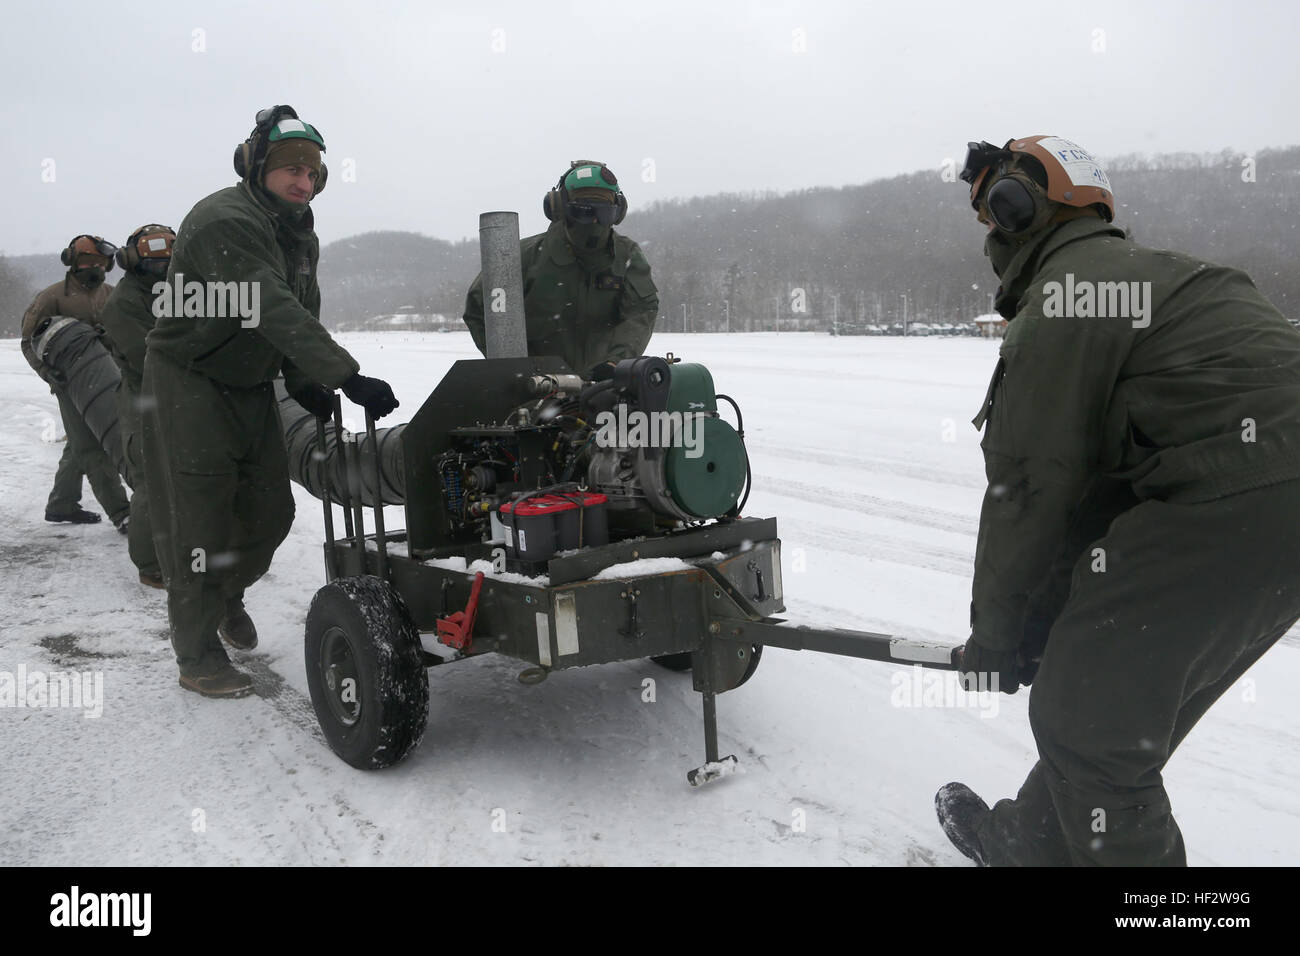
point(726, 304)
point(835, 311)
point(904, 298)
point(683, 316)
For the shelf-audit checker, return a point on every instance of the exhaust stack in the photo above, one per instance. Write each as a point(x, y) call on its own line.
point(503, 285)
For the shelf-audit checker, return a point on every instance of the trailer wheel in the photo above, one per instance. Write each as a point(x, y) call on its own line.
point(755, 655)
point(674, 662)
point(368, 683)
point(682, 662)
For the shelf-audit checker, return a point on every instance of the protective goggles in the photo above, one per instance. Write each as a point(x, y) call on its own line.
point(93, 246)
point(587, 213)
point(979, 157)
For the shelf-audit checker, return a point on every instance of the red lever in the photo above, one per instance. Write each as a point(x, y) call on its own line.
point(456, 630)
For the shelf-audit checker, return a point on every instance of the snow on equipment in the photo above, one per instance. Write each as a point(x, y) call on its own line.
point(557, 521)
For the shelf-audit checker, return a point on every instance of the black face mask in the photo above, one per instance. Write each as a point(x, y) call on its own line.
point(156, 268)
point(91, 276)
point(587, 238)
point(1000, 251)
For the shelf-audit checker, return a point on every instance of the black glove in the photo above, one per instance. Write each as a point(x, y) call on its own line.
point(373, 393)
point(979, 667)
point(317, 399)
point(601, 372)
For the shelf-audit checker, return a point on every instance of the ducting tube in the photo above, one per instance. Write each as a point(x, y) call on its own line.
point(72, 351)
point(317, 468)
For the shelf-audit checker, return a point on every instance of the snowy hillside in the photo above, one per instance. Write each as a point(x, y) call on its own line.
point(861, 448)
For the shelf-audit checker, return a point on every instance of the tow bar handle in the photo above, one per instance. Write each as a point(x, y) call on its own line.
point(864, 645)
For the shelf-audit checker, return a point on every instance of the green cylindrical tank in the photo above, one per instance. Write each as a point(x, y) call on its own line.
point(705, 474)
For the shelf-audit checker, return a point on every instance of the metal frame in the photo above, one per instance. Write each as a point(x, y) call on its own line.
point(714, 609)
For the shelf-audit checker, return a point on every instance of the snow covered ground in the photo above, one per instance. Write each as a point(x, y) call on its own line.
point(863, 450)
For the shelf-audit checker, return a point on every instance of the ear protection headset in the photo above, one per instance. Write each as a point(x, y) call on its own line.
point(250, 155)
point(148, 243)
point(1017, 204)
point(556, 201)
point(102, 247)
point(1029, 181)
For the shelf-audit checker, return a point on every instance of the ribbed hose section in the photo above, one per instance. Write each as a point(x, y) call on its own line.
point(314, 467)
point(72, 349)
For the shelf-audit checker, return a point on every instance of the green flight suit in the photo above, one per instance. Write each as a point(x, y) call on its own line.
point(214, 451)
point(127, 317)
point(587, 310)
point(1141, 528)
point(82, 454)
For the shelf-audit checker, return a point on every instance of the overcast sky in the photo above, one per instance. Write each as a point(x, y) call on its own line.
point(439, 111)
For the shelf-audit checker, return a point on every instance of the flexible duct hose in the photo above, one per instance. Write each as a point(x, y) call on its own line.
point(72, 349)
point(310, 466)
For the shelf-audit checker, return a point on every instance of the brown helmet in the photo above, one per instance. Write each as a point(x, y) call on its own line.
point(88, 246)
point(152, 242)
point(1073, 176)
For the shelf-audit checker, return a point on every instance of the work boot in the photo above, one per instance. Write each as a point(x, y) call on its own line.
point(77, 515)
point(236, 628)
point(122, 524)
point(229, 681)
point(152, 579)
point(961, 811)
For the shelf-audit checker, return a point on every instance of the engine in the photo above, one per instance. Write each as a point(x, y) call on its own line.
point(642, 452)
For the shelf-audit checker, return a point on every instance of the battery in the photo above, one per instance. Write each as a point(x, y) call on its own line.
point(537, 526)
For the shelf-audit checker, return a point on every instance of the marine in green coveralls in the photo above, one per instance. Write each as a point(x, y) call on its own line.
point(1139, 543)
point(242, 306)
point(588, 294)
point(127, 318)
point(81, 295)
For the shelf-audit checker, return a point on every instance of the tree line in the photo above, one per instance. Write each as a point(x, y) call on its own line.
point(909, 248)
point(893, 250)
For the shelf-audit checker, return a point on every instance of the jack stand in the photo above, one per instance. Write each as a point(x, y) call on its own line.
point(713, 767)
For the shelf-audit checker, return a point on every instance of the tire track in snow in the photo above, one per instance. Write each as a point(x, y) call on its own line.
point(880, 547)
point(869, 463)
point(866, 504)
point(331, 818)
point(287, 701)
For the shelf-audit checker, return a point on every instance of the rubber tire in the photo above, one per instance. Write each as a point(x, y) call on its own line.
point(755, 655)
point(674, 662)
point(392, 687)
point(682, 662)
